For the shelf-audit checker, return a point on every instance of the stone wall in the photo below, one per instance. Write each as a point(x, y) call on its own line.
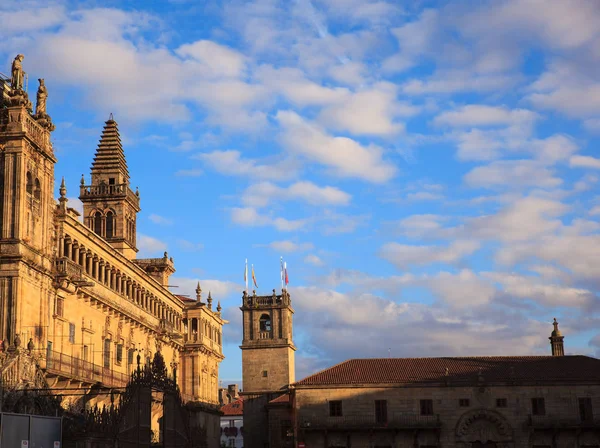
point(452, 423)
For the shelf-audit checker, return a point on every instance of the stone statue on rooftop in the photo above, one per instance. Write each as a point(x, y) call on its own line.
point(42, 94)
point(17, 73)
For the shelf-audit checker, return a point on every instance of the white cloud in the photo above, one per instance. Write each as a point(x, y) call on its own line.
point(160, 220)
point(403, 255)
point(148, 245)
point(465, 289)
point(217, 60)
point(512, 174)
point(263, 193)
point(368, 112)
point(314, 260)
point(584, 162)
point(522, 220)
point(477, 115)
point(219, 289)
point(541, 291)
point(31, 20)
point(248, 216)
point(568, 88)
point(345, 156)
point(231, 163)
point(416, 226)
point(289, 246)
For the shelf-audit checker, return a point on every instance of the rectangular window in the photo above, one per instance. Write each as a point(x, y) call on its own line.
point(585, 409)
point(381, 411)
point(538, 406)
point(232, 442)
point(231, 423)
point(71, 333)
point(119, 353)
point(59, 308)
point(107, 353)
point(265, 373)
point(130, 354)
point(84, 353)
point(501, 402)
point(464, 402)
point(426, 407)
point(335, 408)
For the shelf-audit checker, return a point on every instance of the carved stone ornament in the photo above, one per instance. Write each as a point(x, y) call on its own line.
point(17, 73)
point(483, 425)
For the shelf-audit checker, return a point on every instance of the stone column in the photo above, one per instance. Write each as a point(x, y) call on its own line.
point(75, 257)
point(61, 247)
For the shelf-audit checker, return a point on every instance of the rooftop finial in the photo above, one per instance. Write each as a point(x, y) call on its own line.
point(82, 182)
point(556, 331)
point(198, 293)
point(209, 301)
point(63, 189)
point(556, 340)
point(219, 306)
point(110, 117)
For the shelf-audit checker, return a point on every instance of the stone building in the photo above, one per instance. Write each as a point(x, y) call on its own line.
point(76, 305)
point(467, 402)
point(232, 424)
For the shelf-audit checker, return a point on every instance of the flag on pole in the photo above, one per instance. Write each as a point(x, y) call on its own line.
point(246, 275)
point(287, 280)
point(281, 271)
point(254, 277)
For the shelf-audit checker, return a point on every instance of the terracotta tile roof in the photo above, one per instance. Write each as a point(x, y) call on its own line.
point(184, 298)
point(285, 398)
point(433, 370)
point(234, 408)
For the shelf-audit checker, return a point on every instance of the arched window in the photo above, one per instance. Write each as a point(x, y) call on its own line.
point(110, 224)
point(265, 322)
point(37, 192)
point(29, 186)
point(98, 223)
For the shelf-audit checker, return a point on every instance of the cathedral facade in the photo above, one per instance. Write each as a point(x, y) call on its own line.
point(78, 310)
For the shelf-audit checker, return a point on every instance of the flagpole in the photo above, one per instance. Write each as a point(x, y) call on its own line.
point(281, 271)
point(246, 275)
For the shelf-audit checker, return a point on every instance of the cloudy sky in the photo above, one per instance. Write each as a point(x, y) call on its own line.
point(429, 171)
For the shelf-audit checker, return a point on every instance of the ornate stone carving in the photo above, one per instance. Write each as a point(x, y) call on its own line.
point(17, 73)
point(42, 94)
point(483, 425)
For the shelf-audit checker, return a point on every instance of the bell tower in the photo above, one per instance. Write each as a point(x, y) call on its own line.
point(26, 207)
point(110, 207)
point(268, 359)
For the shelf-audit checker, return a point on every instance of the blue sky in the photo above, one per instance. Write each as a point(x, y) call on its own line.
point(428, 170)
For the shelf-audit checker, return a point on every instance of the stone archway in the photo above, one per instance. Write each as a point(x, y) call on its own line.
point(482, 428)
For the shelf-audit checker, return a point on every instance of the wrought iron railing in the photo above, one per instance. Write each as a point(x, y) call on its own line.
point(75, 368)
point(400, 421)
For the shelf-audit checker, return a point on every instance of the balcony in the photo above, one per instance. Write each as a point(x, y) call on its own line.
point(556, 421)
point(67, 366)
point(400, 421)
point(109, 191)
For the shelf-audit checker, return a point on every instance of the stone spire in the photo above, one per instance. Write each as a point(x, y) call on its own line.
point(199, 293)
point(556, 341)
point(209, 301)
point(219, 306)
point(110, 157)
point(62, 200)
